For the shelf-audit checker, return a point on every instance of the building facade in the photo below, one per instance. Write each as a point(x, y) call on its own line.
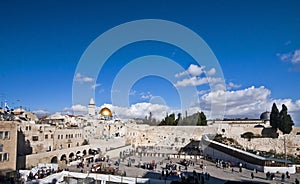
point(8, 146)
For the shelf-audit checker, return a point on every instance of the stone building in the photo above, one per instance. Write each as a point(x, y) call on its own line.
point(39, 138)
point(8, 146)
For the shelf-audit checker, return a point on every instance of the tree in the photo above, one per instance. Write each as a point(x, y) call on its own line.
point(203, 119)
point(178, 118)
point(282, 121)
point(198, 119)
point(286, 123)
point(169, 120)
point(150, 116)
point(274, 117)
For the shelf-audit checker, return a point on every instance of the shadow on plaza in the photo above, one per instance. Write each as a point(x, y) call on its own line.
point(191, 178)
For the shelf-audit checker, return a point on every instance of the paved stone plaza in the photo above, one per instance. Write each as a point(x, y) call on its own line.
point(217, 175)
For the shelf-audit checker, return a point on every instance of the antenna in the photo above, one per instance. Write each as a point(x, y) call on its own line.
point(2, 100)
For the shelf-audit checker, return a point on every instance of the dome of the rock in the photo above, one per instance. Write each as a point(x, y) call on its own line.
point(105, 112)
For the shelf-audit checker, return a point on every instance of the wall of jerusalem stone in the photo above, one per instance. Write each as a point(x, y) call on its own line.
point(178, 136)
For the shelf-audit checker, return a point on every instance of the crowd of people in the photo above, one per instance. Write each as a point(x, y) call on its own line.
point(41, 173)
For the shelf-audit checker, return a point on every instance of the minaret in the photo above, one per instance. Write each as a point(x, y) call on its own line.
point(92, 107)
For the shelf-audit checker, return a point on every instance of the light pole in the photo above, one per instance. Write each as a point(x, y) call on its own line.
point(284, 141)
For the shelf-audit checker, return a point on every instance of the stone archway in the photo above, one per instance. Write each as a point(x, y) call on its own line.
point(71, 156)
point(63, 157)
point(54, 160)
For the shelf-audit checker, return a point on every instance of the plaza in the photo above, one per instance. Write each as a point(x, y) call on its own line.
point(217, 175)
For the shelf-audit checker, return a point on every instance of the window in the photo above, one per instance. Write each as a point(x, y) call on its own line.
point(1, 135)
point(35, 138)
point(46, 136)
point(6, 136)
point(66, 136)
point(58, 137)
point(52, 136)
point(6, 156)
point(1, 147)
point(61, 136)
point(1, 159)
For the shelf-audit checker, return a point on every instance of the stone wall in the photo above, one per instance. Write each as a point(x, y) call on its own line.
point(29, 161)
point(8, 144)
point(266, 144)
point(178, 136)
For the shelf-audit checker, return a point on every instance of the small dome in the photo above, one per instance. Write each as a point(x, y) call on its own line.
point(265, 115)
point(105, 112)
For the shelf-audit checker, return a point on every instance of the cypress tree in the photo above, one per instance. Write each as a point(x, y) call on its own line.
point(286, 123)
point(274, 117)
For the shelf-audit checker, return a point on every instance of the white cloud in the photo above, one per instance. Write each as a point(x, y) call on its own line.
point(94, 86)
point(197, 81)
point(75, 109)
point(288, 42)
point(296, 56)
point(132, 92)
point(41, 112)
point(145, 96)
point(140, 110)
point(193, 70)
point(211, 72)
point(195, 77)
point(202, 92)
point(249, 102)
point(240, 102)
point(284, 57)
point(293, 57)
point(81, 78)
point(231, 85)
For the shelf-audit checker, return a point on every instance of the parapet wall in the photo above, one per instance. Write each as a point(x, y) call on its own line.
point(33, 160)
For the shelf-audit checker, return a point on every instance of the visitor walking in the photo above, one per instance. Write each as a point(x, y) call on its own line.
point(282, 177)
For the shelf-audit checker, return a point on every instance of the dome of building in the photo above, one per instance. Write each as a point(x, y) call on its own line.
point(105, 112)
point(265, 115)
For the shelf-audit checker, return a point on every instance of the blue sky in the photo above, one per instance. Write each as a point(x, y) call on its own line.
point(257, 44)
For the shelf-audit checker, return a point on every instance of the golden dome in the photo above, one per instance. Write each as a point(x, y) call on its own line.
point(105, 112)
